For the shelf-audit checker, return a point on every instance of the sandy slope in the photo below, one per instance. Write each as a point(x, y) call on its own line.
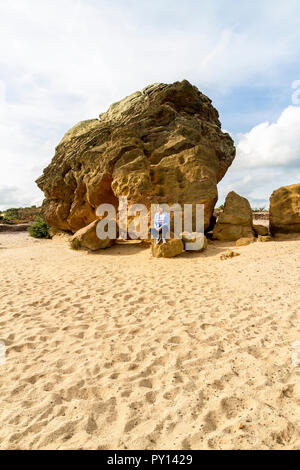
point(118, 350)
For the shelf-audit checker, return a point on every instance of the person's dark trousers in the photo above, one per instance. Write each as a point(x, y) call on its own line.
point(157, 234)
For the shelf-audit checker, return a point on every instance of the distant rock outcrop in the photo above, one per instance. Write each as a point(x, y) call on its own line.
point(235, 221)
point(198, 240)
point(14, 227)
point(163, 144)
point(285, 210)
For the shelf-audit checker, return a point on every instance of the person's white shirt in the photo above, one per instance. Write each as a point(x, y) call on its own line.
point(161, 219)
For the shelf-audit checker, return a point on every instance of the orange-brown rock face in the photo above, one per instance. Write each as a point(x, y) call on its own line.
point(285, 210)
point(161, 145)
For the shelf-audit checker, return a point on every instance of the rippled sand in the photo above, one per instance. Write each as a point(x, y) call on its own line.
point(117, 350)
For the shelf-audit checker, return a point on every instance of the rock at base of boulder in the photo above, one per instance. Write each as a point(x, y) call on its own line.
point(236, 221)
point(264, 239)
point(228, 255)
point(173, 247)
point(245, 241)
point(229, 233)
point(61, 235)
point(199, 241)
point(212, 223)
point(261, 230)
point(87, 237)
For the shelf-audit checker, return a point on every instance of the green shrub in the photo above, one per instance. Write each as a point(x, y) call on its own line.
point(12, 213)
point(7, 220)
point(39, 229)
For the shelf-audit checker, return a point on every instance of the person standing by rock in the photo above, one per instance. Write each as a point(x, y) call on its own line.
point(161, 225)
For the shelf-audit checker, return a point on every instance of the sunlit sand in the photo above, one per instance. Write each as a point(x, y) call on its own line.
point(117, 350)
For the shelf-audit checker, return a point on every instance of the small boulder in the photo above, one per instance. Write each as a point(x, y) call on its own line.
point(235, 221)
point(261, 230)
point(228, 255)
point(14, 227)
point(173, 247)
point(87, 237)
point(245, 241)
point(264, 239)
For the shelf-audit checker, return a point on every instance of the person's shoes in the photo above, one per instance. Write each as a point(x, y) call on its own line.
point(164, 240)
point(157, 241)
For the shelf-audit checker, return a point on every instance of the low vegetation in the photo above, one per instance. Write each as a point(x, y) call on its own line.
point(259, 209)
point(19, 215)
point(39, 228)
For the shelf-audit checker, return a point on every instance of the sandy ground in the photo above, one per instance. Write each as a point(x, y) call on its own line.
point(117, 350)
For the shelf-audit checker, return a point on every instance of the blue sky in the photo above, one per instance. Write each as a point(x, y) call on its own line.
point(63, 61)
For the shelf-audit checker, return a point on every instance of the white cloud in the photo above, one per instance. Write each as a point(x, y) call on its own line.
point(62, 61)
point(257, 185)
point(276, 144)
point(267, 157)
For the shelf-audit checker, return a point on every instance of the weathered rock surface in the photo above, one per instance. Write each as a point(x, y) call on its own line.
point(287, 236)
point(87, 238)
point(163, 144)
point(235, 221)
point(285, 210)
point(173, 247)
point(261, 230)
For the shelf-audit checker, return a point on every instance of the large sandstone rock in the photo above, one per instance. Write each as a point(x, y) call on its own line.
point(235, 221)
point(162, 144)
point(172, 248)
point(285, 210)
point(87, 237)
